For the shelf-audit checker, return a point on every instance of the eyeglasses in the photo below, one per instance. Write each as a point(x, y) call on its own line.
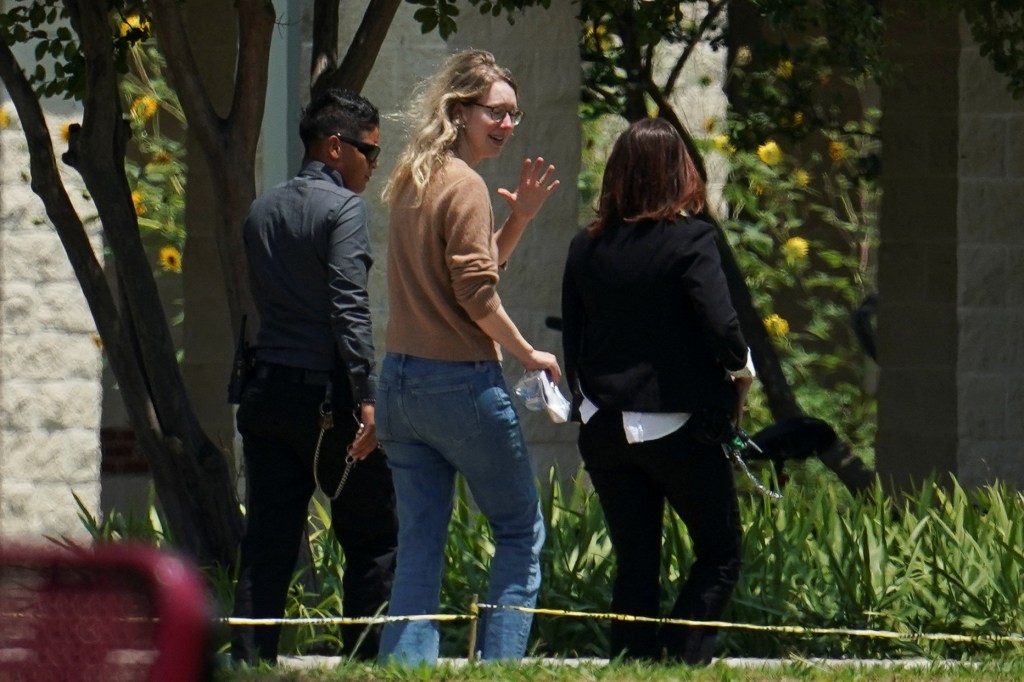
point(498, 114)
point(370, 151)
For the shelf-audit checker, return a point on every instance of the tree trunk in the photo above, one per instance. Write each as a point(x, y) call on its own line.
point(191, 476)
point(362, 52)
point(229, 142)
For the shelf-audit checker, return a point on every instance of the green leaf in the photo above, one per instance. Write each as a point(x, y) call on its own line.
point(427, 18)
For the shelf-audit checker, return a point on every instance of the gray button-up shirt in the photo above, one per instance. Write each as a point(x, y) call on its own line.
point(308, 247)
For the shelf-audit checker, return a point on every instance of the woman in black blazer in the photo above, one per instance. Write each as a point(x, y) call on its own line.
point(650, 338)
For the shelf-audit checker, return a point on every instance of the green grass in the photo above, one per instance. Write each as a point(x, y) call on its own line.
point(791, 670)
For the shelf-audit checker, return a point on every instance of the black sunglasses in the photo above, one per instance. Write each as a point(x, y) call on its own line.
point(370, 151)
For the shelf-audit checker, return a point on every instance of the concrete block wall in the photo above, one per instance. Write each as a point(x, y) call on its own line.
point(990, 275)
point(50, 362)
point(951, 312)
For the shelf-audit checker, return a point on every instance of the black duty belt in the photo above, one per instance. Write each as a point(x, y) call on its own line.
point(291, 375)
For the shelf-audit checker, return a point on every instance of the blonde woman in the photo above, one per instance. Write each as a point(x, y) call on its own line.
point(443, 406)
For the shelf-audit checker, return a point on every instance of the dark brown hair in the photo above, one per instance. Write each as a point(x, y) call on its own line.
point(649, 176)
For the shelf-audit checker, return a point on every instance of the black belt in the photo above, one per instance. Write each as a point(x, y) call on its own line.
point(291, 375)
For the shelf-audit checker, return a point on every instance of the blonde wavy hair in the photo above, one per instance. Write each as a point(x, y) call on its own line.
point(464, 77)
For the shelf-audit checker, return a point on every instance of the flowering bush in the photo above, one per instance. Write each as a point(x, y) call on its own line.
point(157, 167)
point(803, 227)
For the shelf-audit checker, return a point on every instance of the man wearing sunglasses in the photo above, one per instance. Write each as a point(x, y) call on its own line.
point(306, 414)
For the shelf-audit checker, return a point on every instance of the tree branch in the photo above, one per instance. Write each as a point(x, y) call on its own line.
point(634, 107)
point(362, 52)
point(667, 112)
point(203, 120)
point(256, 20)
point(325, 39)
point(714, 9)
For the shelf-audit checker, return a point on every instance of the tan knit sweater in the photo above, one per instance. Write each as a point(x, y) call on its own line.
point(442, 268)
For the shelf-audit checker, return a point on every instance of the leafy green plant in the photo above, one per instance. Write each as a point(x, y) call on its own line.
point(157, 168)
point(316, 590)
point(804, 230)
point(149, 529)
point(940, 561)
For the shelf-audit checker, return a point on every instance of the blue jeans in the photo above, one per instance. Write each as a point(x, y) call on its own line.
point(436, 419)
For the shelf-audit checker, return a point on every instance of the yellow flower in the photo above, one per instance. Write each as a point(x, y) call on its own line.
point(144, 107)
point(134, 21)
point(137, 201)
point(597, 37)
point(722, 144)
point(784, 69)
point(170, 259)
point(837, 150)
point(770, 153)
point(5, 118)
point(777, 327)
point(795, 249)
point(801, 177)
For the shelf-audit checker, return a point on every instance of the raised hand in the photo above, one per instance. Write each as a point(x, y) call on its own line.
point(533, 189)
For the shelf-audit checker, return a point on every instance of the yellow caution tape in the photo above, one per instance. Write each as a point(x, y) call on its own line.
point(370, 620)
point(786, 629)
point(475, 609)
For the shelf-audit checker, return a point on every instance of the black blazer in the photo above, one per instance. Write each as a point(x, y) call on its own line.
point(648, 324)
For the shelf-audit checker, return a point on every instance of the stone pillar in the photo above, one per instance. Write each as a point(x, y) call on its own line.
point(917, 312)
point(951, 313)
point(990, 275)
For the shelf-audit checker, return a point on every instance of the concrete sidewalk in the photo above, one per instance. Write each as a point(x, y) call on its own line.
point(329, 662)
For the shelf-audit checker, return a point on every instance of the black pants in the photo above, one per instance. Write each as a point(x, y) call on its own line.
point(632, 483)
point(279, 424)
